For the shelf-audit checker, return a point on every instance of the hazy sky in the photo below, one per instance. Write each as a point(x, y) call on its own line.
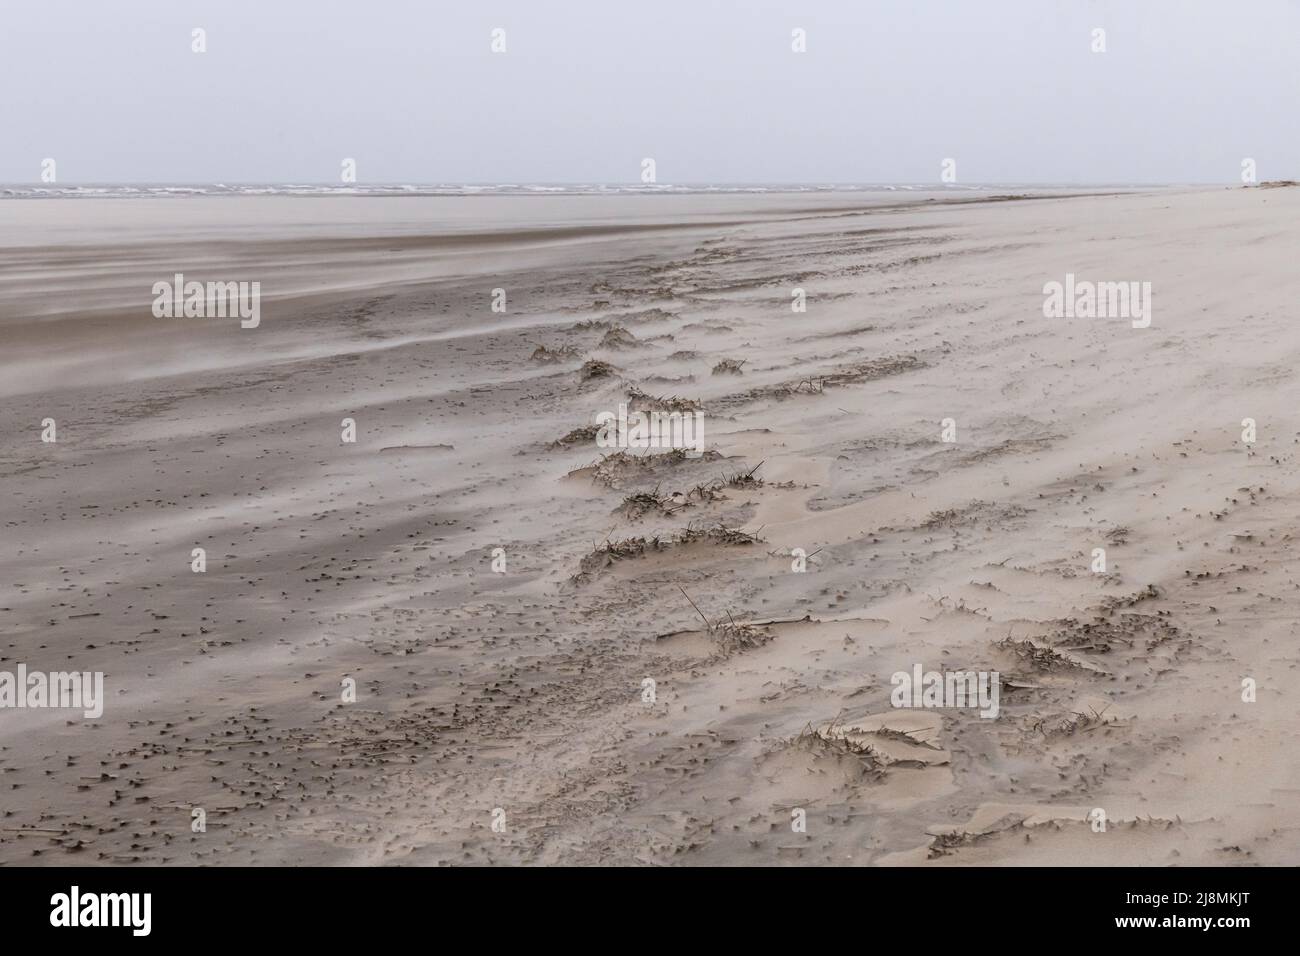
point(709, 88)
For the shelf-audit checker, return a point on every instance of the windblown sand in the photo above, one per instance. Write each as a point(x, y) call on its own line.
point(525, 691)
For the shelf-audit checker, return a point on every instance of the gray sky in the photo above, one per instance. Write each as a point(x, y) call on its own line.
point(709, 88)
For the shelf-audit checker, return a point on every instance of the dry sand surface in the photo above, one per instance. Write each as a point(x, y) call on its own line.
point(524, 690)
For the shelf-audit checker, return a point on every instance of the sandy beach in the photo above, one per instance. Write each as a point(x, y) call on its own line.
point(474, 636)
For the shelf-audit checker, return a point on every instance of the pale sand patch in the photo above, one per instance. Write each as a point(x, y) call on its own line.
point(526, 690)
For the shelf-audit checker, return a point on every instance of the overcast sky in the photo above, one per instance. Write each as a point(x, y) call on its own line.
point(709, 88)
